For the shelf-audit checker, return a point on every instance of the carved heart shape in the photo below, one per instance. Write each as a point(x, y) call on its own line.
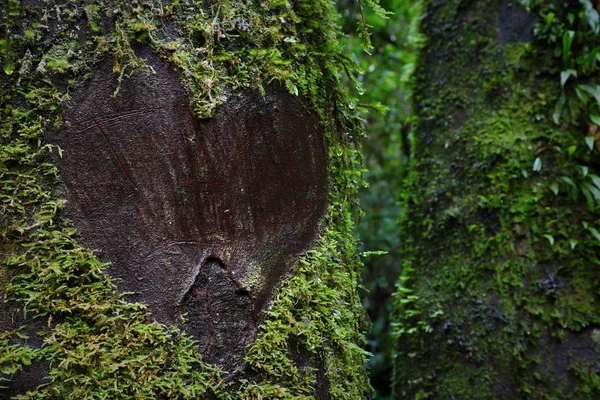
point(197, 217)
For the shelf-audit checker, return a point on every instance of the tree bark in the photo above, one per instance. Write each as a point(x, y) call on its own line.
point(178, 202)
point(493, 301)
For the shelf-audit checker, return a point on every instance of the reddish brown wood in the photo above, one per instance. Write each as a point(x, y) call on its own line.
point(197, 217)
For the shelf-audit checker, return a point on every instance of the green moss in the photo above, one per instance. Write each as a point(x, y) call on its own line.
point(101, 346)
point(498, 266)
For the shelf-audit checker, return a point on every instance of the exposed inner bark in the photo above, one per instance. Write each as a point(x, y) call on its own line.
point(197, 217)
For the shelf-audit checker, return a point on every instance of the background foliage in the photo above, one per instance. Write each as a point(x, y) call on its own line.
point(383, 97)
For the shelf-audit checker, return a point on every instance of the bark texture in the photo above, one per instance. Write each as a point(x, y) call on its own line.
point(160, 194)
point(178, 202)
point(493, 301)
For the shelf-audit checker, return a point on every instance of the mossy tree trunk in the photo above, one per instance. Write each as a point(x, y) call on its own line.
point(198, 152)
point(499, 293)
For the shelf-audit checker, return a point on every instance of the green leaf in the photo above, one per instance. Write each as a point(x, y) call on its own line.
point(587, 4)
point(560, 106)
point(581, 95)
point(554, 188)
point(572, 186)
point(593, 19)
point(589, 197)
point(595, 180)
point(566, 49)
point(565, 75)
point(593, 90)
point(573, 243)
point(537, 164)
point(571, 150)
point(595, 119)
point(291, 87)
point(593, 190)
point(550, 239)
point(584, 170)
point(594, 233)
point(589, 140)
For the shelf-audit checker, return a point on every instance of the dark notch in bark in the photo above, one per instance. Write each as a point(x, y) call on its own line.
point(220, 313)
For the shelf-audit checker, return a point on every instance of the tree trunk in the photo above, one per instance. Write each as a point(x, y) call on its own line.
point(499, 293)
point(178, 202)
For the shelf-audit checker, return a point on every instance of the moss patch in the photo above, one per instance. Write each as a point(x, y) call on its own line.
point(499, 287)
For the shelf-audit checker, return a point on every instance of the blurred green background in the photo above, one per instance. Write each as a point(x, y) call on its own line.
point(386, 81)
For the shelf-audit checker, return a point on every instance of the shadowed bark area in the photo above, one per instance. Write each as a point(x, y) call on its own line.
point(493, 302)
point(31, 375)
point(220, 314)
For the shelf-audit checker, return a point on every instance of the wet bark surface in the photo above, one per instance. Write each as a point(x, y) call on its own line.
point(197, 217)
